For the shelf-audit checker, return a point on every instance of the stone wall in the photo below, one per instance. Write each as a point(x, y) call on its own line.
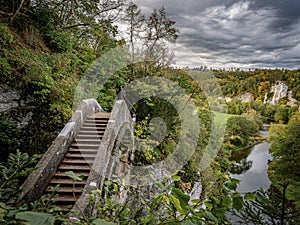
point(35, 184)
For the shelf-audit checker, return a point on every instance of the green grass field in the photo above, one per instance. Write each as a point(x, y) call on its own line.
point(222, 117)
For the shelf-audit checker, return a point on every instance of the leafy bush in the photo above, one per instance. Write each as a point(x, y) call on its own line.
point(13, 173)
point(5, 69)
point(239, 129)
point(6, 37)
point(9, 135)
point(58, 40)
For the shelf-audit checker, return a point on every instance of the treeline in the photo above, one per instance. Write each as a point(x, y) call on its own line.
point(257, 82)
point(283, 170)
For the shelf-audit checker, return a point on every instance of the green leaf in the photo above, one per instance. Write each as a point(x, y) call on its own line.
point(237, 202)
point(3, 211)
point(183, 198)
point(249, 196)
point(226, 201)
point(35, 218)
point(176, 178)
point(231, 185)
point(177, 204)
point(210, 216)
point(190, 222)
point(220, 212)
point(74, 177)
point(102, 222)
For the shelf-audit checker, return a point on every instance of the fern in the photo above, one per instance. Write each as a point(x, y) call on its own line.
point(17, 168)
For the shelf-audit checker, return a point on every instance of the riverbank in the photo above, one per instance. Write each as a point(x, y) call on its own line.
point(253, 140)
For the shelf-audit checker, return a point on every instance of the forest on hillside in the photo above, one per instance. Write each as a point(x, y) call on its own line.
point(46, 47)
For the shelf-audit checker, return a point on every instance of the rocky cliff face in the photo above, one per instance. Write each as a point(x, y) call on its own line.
point(8, 98)
point(13, 107)
point(278, 92)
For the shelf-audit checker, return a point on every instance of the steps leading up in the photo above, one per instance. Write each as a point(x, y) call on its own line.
point(78, 159)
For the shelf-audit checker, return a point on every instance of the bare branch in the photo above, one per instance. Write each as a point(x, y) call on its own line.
point(18, 10)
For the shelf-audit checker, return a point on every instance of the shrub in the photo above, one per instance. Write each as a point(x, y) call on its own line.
point(8, 138)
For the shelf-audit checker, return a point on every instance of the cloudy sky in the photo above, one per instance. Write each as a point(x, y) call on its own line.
point(234, 33)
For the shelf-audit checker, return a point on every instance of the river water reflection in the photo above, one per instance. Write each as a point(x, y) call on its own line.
point(251, 168)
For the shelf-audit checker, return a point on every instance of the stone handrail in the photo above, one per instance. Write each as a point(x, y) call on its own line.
point(120, 121)
point(37, 181)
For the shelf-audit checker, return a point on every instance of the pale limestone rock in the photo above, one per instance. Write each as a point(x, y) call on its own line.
point(247, 97)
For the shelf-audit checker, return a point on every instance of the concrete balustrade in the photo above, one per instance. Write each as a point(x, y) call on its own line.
point(38, 180)
point(120, 126)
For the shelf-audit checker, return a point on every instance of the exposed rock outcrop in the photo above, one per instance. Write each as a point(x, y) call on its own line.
point(278, 92)
point(291, 101)
point(9, 98)
point(13, 107)
point(247, 97)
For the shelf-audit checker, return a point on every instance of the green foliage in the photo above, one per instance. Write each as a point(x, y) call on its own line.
point(58, 40)
point(102, 222)
point(34, 218)
point(14, 172)
point(73, 176)
point(6, 37)
point(47, 204)
point(239, 129)
point(281, 114)
point(258, 82)
point(265, 206)
point(9, 135)
point(169, 205)
point(44, 52)
point(5, 69)
point(108, 93)
point(285, 149)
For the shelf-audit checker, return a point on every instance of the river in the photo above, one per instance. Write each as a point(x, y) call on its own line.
point(251, 168)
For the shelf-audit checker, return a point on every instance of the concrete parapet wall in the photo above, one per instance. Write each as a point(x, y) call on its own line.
point(38, 180)
point(119, 123)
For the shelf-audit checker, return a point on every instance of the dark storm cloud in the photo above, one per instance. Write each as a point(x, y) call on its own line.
point(226, 33)
point(287, 12)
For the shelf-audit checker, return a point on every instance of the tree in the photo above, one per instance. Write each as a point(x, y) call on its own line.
point(135, 21)
point(160, 30)
point(239, 129)
point(281, 114)
point(286, 151)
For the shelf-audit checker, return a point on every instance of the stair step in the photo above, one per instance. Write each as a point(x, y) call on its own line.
point(65, 208)
point(63, 174)
point(82, 151)
point(80, 156)
point(65, 200)
point(93, 129)
point(77, 168)
point(72, 190)
point(92, 136)
point(77, 161)
point(95, 125)
point(100, 115)
point(91, 133)
point(93, 121)
point(84, 146)
point(87, 141)
point(67, 181)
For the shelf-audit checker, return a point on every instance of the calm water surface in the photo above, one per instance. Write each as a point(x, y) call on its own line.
point(251, 168)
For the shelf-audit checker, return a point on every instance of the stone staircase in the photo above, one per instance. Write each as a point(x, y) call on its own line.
point(79, 159)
